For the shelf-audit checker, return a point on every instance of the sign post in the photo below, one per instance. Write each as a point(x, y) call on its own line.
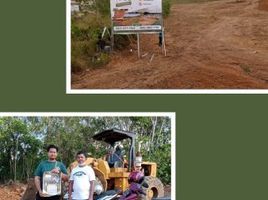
point(137, 17)
point(164, 42)
point(138, 43)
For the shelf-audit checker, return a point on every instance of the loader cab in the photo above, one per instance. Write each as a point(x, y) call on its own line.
point(118, 171)
point(112, 137)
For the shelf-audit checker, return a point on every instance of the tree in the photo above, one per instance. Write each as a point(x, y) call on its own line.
point(16, 142)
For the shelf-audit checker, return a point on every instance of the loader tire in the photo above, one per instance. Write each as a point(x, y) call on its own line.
point(155, 188)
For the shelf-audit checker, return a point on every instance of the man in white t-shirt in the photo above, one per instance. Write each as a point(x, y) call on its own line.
point(81, 186)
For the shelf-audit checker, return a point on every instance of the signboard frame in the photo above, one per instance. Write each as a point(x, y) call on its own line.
point(138, 29)
point(51, 182)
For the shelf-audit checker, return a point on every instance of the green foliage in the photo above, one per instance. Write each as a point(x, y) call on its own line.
point(101, 59)
point(162, 157)
point(86, 28)
point(166, 4)
point(82, 51)
point(18, 149)
point(103, 6)
point(121, 41)
point(84, 34)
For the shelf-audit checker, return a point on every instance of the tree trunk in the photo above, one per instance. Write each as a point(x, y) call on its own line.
point(15, 159)
point(154, 123)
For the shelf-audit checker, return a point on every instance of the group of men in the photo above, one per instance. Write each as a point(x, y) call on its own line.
point(81, 180)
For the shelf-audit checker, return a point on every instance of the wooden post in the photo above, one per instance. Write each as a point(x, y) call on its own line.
point(164, 43)
point(112, 40)
point(112, 35)
point(138, 44)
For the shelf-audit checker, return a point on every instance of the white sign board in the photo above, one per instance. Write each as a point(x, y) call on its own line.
point(136, 15)
point(132, 6)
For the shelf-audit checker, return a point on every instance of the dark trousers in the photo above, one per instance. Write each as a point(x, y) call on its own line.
point(47, 198)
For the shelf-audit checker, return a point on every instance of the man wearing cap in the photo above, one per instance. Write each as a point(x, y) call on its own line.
point(135, 180)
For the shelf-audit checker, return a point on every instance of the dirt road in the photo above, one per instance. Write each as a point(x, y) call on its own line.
point(221, 44)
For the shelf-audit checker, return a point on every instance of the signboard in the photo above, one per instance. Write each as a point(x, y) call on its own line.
point(136, 15)
point(51, 183)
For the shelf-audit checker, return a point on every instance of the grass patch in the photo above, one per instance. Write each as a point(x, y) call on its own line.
point(245, 68)
point(166, 4)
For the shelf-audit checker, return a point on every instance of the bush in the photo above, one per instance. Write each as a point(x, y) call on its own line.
point(84, 34)
point(103, 6)
point(101, 59)
point(166, 4)
point(82, 52)
point(121, 41)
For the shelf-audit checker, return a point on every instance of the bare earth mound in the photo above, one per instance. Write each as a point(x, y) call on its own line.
point(12, 192)
point(222, 44)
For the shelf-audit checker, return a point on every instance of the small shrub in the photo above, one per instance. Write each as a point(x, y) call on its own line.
point(103, 6)
point(101, 59)
point(84, 34)
point(121, 41)
point(82, 52)
point(166, 4)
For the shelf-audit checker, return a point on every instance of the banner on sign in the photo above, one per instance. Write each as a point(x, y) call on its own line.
point(136, 15)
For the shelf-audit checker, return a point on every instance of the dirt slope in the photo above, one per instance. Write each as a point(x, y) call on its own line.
point(12, 192)
point(222, 44)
